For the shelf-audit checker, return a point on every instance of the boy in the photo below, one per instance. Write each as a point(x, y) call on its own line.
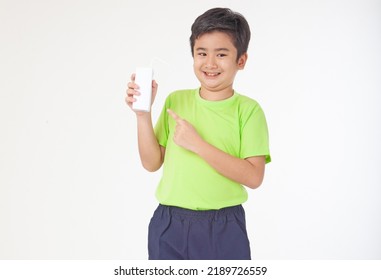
point(212, 141)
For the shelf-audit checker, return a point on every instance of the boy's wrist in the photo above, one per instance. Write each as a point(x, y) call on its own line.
point(143, 115)
point(200, 147)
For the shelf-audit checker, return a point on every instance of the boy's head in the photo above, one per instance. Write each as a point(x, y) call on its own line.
point(226, 21)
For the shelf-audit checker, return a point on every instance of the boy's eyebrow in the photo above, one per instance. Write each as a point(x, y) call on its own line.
point(222, 49)
point(217, 49)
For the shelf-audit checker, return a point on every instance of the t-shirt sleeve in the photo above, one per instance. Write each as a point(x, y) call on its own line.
point(161, 128)
point(254, 135)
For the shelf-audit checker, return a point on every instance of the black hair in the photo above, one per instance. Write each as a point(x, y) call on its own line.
point(224, 20)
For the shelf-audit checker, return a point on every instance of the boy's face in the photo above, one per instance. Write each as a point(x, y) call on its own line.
point(215, 61)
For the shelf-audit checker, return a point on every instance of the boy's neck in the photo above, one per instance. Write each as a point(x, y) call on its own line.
point(216, 95)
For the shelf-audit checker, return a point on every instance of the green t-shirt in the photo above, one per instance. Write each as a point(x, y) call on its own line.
point(236, 125)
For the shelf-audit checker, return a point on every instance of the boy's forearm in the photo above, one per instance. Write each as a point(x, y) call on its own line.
point(239, 170)
point(149, 148)
point(248, 172)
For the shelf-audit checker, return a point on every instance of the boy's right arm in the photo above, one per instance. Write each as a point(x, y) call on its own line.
point(151, 153)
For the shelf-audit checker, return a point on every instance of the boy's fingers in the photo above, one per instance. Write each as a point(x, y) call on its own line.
point(131, 85)
point(173, 115)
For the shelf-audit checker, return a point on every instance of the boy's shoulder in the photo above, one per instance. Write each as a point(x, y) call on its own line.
point(244, 98)
point(247, 102)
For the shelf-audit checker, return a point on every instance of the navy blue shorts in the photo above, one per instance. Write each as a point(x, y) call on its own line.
point(182, 234)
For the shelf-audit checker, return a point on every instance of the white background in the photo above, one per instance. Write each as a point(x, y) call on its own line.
point(71, 184)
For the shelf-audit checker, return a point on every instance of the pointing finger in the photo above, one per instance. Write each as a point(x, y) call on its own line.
point(173, 115)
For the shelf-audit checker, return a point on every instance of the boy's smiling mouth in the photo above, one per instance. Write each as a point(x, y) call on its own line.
point(211, 74)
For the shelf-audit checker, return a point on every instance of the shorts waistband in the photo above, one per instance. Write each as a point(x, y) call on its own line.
point(178, 211)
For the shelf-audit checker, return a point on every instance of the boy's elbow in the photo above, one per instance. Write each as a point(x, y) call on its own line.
point(254, 183)
point(153, 163)
point(151, 168)
point(255, 174)
point(253, 186)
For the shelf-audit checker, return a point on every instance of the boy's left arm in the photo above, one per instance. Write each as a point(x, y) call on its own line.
point(248, 172)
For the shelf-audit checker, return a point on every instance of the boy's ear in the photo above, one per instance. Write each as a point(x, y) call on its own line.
point(242, 61)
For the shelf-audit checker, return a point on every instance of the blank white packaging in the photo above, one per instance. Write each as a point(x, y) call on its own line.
point(143, 79)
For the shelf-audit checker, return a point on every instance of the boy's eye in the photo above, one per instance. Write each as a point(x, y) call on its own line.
point(221, 55)
point(202, 54)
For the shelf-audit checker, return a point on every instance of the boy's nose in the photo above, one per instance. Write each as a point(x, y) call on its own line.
point(210, 62)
